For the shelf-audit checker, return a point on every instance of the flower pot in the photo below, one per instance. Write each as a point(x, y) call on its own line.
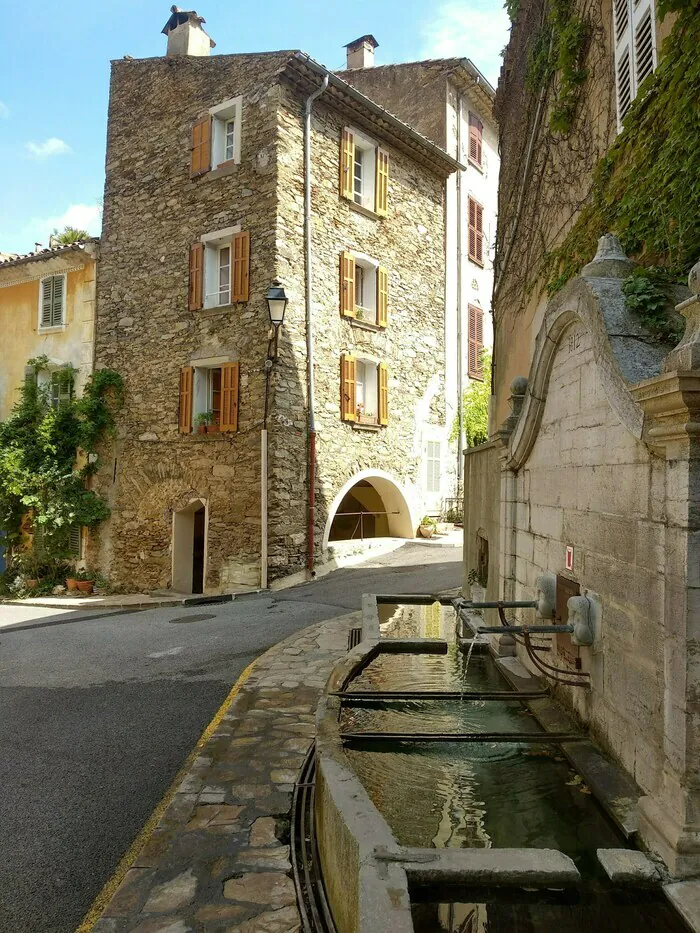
point(85, 586)
point(31, 584)
point(71, 584)
point(427, 531)
point(201, 429)
point(212, 429)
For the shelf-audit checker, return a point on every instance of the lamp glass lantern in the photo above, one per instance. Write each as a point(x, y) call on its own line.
point(276, 303)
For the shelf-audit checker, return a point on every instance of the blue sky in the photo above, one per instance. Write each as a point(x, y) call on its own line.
point(54, 79)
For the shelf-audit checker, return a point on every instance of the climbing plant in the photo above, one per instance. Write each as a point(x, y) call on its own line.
point(646, 189)
point(47, 451)
point(475, 407)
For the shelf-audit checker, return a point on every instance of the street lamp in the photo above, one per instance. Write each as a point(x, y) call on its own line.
point(276, 303)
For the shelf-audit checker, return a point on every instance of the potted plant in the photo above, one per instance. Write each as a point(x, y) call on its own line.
point(212, 424)
point(85, 581)
point(359, 314)
point(203, 420)
point(427, 527)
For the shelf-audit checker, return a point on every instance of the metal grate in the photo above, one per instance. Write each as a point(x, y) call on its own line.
point(354, 637)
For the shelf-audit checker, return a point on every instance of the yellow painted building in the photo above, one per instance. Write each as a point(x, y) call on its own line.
point(47, 308)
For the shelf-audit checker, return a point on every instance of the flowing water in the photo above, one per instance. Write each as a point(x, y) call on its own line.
point(482, 794)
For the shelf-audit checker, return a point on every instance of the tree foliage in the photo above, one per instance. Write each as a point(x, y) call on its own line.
point(40, 449)
point(475, 407)
point(70, 235)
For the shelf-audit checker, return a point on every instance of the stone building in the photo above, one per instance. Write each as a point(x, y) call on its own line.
point(590, 484)
point(204, 209)
point(451, 102)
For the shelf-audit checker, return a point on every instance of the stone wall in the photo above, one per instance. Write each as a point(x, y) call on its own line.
point(153, 212)
point(409, 242)
point(482, 514)
point(589, 483)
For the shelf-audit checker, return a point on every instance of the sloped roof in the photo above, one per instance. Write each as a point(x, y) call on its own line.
point(48, 253)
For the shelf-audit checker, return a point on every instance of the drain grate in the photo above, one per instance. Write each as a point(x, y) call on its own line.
point(202, 617)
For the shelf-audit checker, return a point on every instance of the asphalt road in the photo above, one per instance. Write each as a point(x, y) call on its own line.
point(98, 714)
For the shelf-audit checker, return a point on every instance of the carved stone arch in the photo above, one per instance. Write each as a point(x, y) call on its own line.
point(598, 305)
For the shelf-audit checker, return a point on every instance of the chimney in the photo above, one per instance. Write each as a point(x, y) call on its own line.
point(185, 34)
point(361, 52)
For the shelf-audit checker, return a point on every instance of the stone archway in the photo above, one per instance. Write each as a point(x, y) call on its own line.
point(370, 505)
point(190, 547)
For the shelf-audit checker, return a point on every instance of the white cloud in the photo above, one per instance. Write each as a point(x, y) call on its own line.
point(50, 147)
point(81, 216)
point(475, 29)
point(4, 110)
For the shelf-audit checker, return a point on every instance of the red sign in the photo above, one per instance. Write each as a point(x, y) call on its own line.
point(569, 557)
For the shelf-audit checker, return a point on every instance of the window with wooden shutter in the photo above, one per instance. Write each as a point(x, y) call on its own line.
point(475, 342)
point(75, 541)
point(476, 135)
point(240, 246)
point(476, 232)
point(200, 160)
point(347, 164)
point(185, 413)
point(52, 295)
point(383, 401)
point(381, 187)
point(196, 290)
point(635, 50)
point(347, 284)
point(229, 397)
point(348, 404)
point(382, 296)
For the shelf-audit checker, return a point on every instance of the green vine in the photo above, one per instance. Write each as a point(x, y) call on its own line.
point(646, 189)
point(39, 476)
point(511, 7)
point(475, 407)
point(556, 55)
point(648, 294)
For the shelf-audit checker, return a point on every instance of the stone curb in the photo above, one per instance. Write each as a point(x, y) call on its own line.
point(219, 857)
point(88, 602)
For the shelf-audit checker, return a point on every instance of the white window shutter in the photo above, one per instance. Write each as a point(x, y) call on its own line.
point(75, 541)
point(644, 41)
point(57, 301)
point(46, 302)
point(623, 58)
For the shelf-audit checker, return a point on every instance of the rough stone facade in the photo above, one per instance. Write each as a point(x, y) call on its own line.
point(154, 210)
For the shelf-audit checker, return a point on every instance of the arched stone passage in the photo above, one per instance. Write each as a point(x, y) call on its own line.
point(370, 505)
point(189, 547)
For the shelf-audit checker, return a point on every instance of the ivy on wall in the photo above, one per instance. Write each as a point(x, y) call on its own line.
point(39, 445)
point(646, 189)
point(556, 56)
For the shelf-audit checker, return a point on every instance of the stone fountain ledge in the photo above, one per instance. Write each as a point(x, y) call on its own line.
point(219, 858)
point(366, 872)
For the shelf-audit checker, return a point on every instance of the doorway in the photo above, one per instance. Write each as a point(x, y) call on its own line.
point(189, 548)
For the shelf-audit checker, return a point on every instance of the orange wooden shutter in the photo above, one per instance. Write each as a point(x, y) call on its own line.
point(201, 147)
point(240, 261)
point(185, 417)
point(476, 135)
point(381, 187)
point(229, 397)
point(382, 296)
point(348, 382)
point(347, 284)
point(475, 342)
point(196, 277)
point(383, 405)
point(347, 164)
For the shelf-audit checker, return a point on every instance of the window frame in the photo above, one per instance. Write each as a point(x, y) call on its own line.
point(45, 328)
point(478, 122)
point(221, 115)
point(370, 272)
point(58, 397)
point(361, 365)
point(368, 162)
point(213, 243)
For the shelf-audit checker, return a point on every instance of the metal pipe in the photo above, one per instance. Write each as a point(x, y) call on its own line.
point(371, 696)
point(524, 737)
point(308, 107)
point(263, 509)
point(525, 629)
point(460, 376)
point(499, 604)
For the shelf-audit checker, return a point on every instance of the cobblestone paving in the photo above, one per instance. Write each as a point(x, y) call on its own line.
point(219, 858)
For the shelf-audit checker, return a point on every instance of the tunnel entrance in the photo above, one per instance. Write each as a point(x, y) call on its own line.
point(371, 506)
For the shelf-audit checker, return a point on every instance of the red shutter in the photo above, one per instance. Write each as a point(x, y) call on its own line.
point(476, 135)
point(476, 232)
point(475, 342)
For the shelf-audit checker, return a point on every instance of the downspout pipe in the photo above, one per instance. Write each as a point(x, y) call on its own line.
point(309, 323)
point(460, 338)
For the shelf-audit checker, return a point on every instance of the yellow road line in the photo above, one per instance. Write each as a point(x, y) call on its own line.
point(129, 857)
